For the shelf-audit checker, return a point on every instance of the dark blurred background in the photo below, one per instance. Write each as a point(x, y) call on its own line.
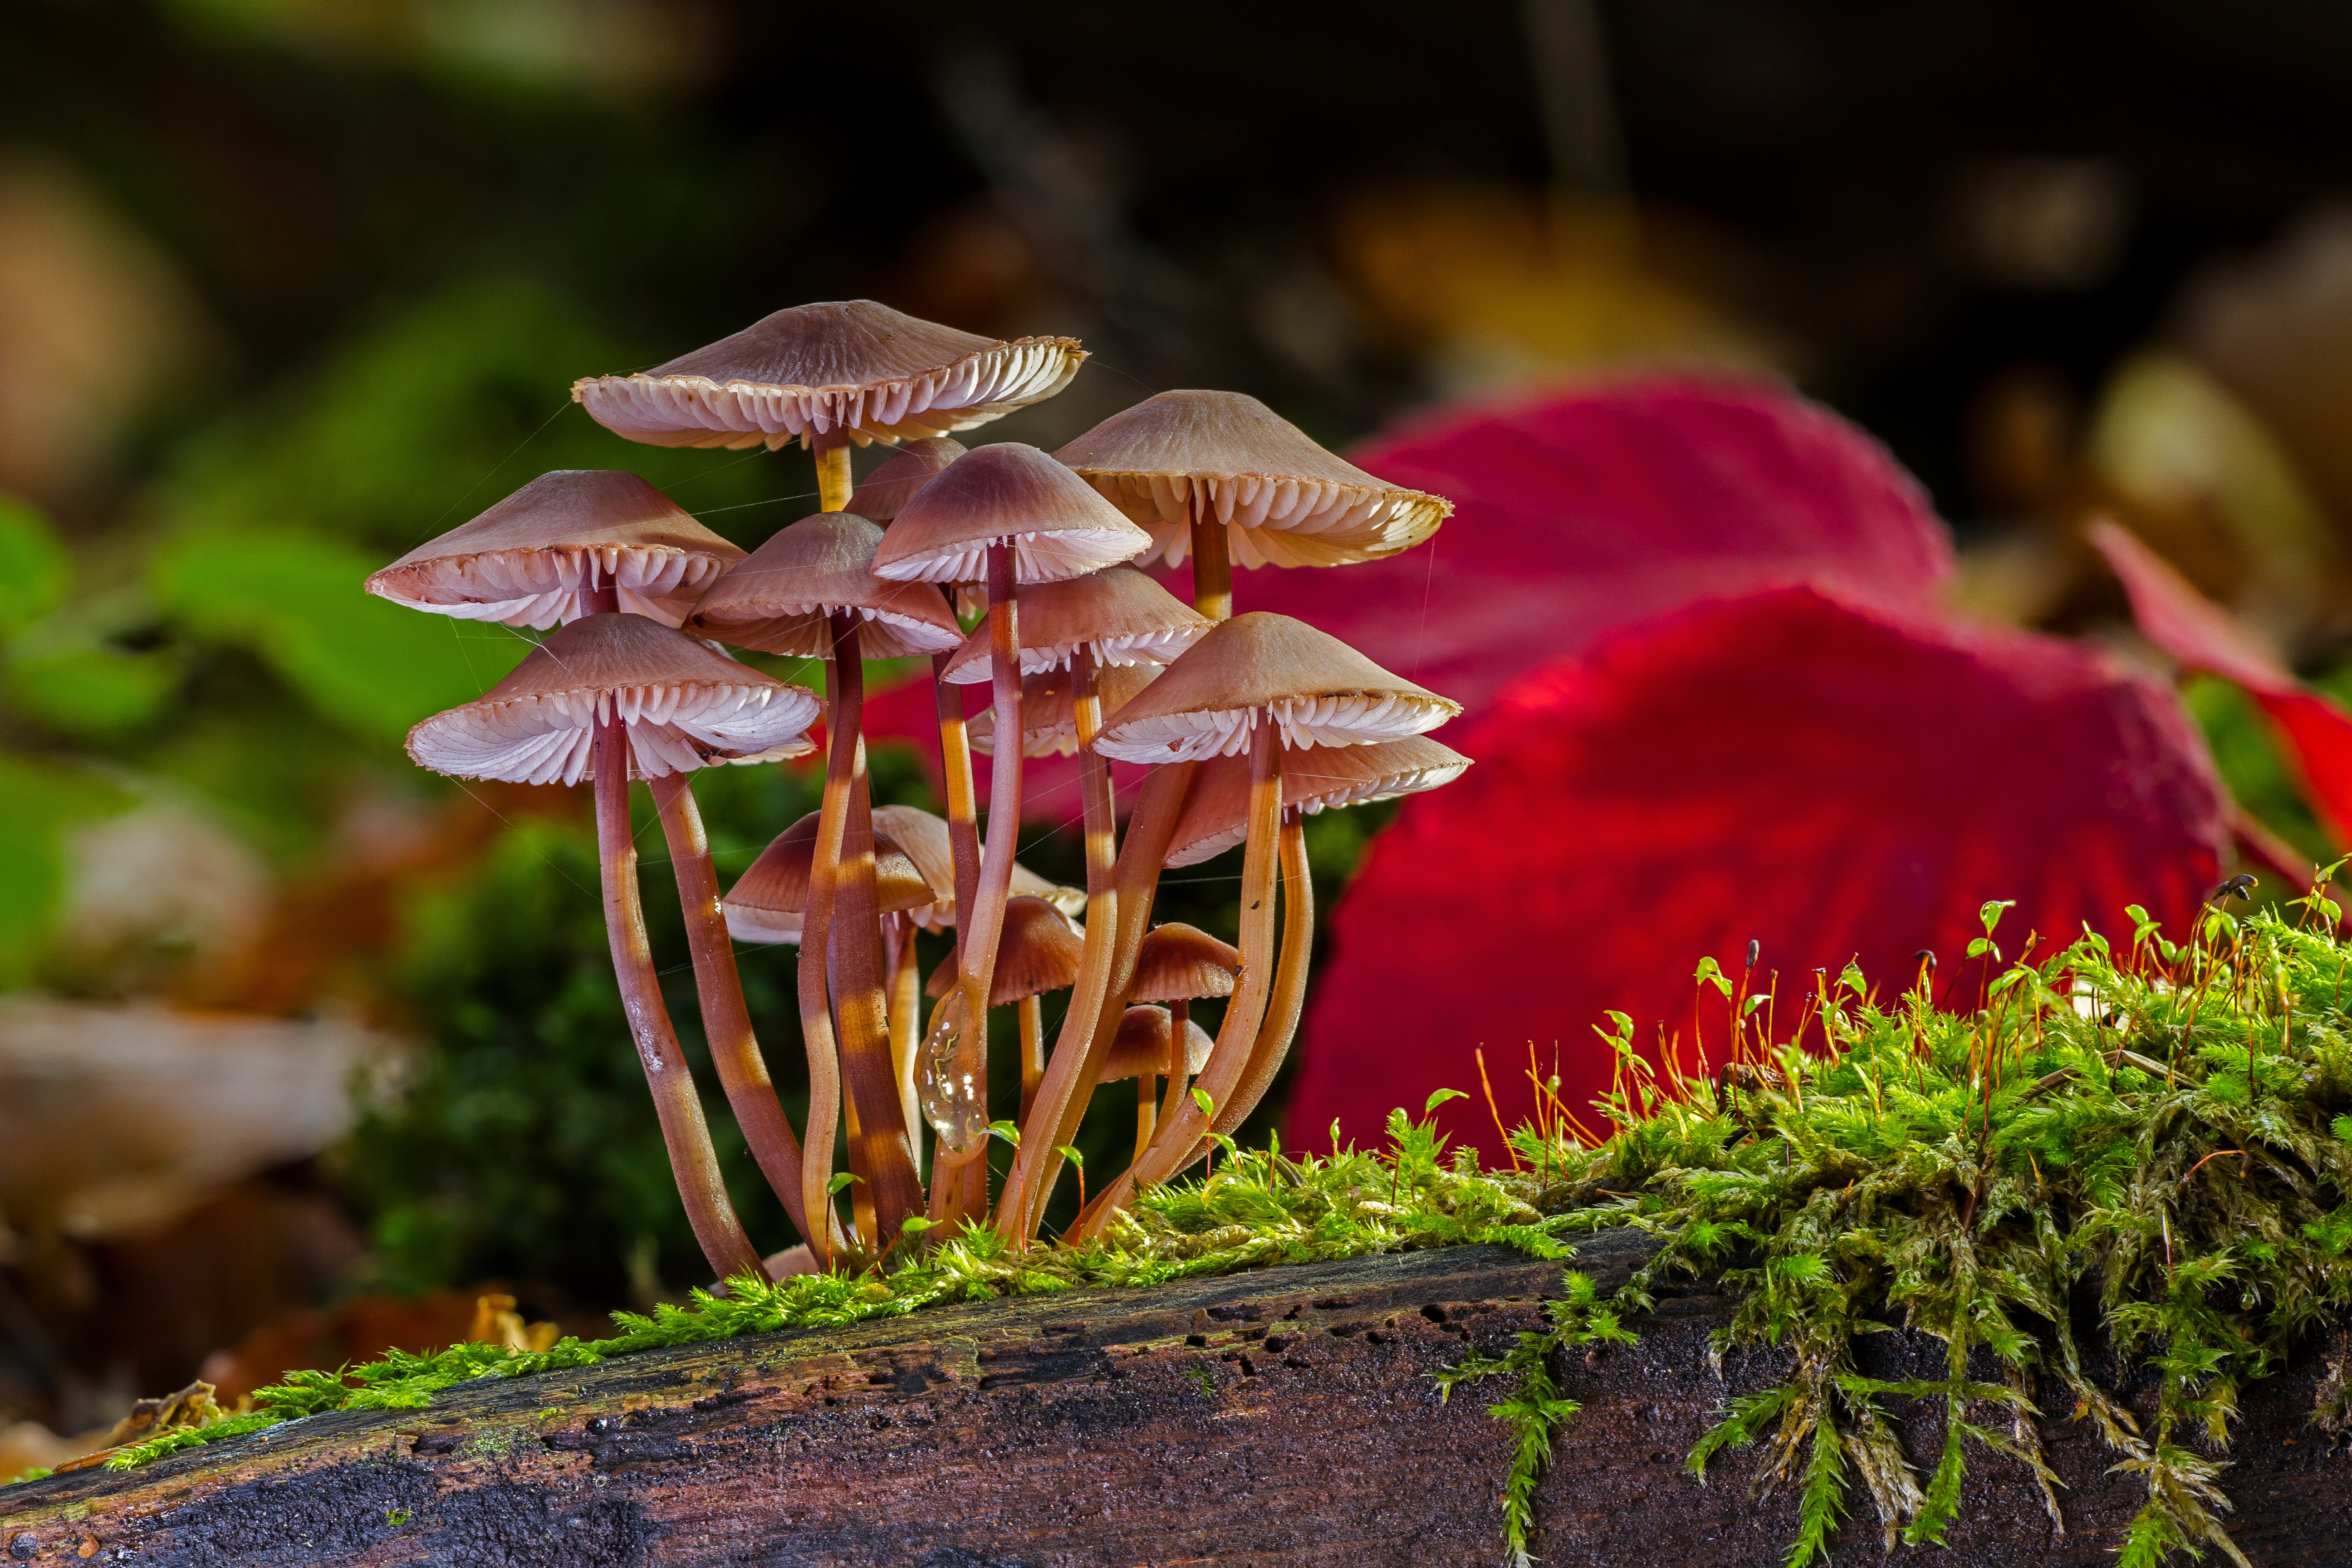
point(301, 1048)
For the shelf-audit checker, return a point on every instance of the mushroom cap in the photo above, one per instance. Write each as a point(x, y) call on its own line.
point(768, 899)
point(686, 705)
point(525, 560)
point(895, 481)
point(1216, 811)
point(1283, 500)
point(1257, 666)
point(1118, 613)
point(778, 598)
point(1141, 1046)
point(852, 367)
point(1038, 952)
point(1049, 709)
point(1177, 963)
point(924, 837)
point(1057, 525)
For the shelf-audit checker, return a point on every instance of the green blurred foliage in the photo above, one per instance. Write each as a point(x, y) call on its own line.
point(40, 801)
point(34, 571)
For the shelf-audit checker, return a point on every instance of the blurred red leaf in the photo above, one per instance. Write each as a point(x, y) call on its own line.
point(1834, 779)
point(1587, 510)
point(2203, 635)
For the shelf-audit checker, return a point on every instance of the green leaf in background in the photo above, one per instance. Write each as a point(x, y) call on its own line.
point(297, 602)
point(96, 691)
point(34, 571)
point(38, 802)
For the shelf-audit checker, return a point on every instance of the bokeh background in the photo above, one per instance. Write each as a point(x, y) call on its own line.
point(302, 1050)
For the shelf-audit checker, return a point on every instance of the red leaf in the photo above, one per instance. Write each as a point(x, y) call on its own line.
point(1603, 507)
point(2203, 635)
point(1831, 779)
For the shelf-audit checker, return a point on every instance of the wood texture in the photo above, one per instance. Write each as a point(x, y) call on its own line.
point(1280, 1416)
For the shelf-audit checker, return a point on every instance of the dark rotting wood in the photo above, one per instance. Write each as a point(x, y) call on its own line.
point(1285, 1416)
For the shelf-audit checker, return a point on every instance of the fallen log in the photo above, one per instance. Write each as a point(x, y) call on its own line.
point(1285, 1416)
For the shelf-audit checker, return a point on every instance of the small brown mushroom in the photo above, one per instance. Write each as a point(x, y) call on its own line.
point(894, 482)
point(1178, 965)
point(1143, 1049)
point(769, 900)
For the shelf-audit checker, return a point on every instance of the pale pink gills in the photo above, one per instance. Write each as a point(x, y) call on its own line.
point(1257, 668)
point(1118, 614)
point(1285, 501)
point(923, 835)
point(1049, 709)
point(686, 706)
point(780, 600)
point(529, 559)
point(893, 483)
point(1216, 812)
point(1143, 1046)
point(1179, 962)
point(853, 368)
point(1005, 493)
point(768, 899)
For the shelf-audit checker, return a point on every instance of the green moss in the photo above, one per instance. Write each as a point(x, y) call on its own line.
point(2167, 1131)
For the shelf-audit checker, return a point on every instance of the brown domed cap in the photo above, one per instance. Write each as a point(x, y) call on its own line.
point(1038, 952)
point(893, 484)
point(1177, 963)
point(526, 559)
point(777, 599)
point(1285, 501)
point(768, 899)
point(1216, 810)
point(924, 837)
point(1260, 666)
point(1049, 709)
point(1141, 1046)
point(1121, 614)
point(852, 365)
point(1058, 526)
point(685, 705)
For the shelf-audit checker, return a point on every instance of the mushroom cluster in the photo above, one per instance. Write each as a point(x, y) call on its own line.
point(1010, 569)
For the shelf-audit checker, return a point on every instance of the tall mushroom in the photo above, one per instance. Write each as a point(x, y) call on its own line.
point(1222, 476)
point(1026, 519)
point(624, 694)
point(1178, 965)
point(1258, 683)
point(1039, 951)
point(579, 541)
point(809, 591)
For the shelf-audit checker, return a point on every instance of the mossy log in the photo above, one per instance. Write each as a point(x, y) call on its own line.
point(1283, 1415)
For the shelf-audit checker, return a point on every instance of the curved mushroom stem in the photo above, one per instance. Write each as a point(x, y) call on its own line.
point(1180, 1019)
point(1146, 1111)
point(1213, 565)
point(980, 923)
point(693, 1162)
point(1172, 1145)
point(734, 1046)
point(1030, 1010)
point(953, 1187)
point(1079, 1056)
point(1288, 998)
point(906, 989)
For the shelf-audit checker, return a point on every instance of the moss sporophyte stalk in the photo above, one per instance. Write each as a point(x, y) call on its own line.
point(2165, 1132)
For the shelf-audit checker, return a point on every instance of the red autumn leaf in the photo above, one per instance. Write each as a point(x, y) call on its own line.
point(1598, 508)
point(1834, 780)
point(2204, 637)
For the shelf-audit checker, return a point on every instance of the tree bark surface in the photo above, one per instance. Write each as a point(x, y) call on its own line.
point(1284, 1416)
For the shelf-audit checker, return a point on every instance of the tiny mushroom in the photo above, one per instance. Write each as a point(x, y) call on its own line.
point(1143, 1049)
point(1049, 709)
point(565, 545)
point(1179, 964)
point(895, 481)
point(1040, 951)
point(624, 694)
point(770, 900)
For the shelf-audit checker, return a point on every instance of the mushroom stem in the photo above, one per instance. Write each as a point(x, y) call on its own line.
point(1178, 1137)
point(958, 1192)
point(734, 1046)
point(880, 1150)
point(980, 924)
point(1144, 1109)
point(1213, 565)
point(1179, 1017)
point(1288, 998)
point(833, 480)
point(1030, 1010)
point(906, 987)
point(1079, 1056)
point(693, 1162)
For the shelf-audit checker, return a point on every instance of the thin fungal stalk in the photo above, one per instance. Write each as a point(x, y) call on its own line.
point(1078, 1058)
point(1287, 1000)
point(726, 1021)
point(1146, 1108)
point(1180, 1019)
point(906, 992)
point(1212, 564)
point(980, 924)
point(958, 1192)
point(1030, 1013)
point(1173, 1142)
point(880, 1152)
point(693, 1162)
point(816, 1013)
